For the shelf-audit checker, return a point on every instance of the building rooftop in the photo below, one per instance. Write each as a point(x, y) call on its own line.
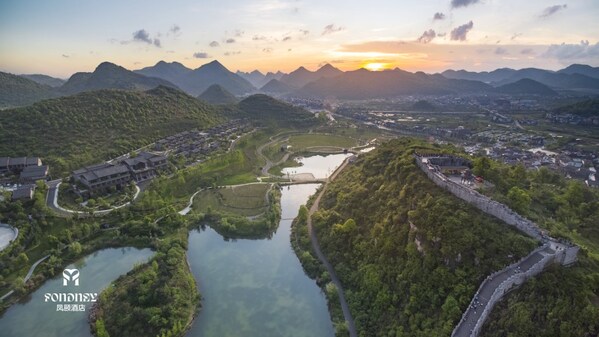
point(23, 192)
point(31, 172)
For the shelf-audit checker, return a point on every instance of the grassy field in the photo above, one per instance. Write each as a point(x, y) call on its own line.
point(299, 142)
point(246, 200)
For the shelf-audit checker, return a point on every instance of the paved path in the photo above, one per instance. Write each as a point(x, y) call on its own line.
point(346, 313)
point(27, 277)
point(269, 162)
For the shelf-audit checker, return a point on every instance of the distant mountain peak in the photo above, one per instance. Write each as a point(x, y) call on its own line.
point(301, 69)
point(107, 65)
point(214, 64)
point(328, 70)
point(327, 66)
point(108, 75)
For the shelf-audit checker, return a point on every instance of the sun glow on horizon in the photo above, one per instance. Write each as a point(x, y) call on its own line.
point(376, 66)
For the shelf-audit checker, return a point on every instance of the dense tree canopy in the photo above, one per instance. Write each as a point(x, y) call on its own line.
point(409, 254)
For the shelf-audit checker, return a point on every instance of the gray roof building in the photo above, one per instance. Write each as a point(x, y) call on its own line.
point(33, 173)
point(24, 192)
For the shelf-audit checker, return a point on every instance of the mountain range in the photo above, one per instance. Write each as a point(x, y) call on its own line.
point(302, 76)
point(258, 79)
point(327, 81)
point(111, 76)
point(574, 77)
point(276, 87)
point(45, 80)
point(18, 91)
point(196, 81)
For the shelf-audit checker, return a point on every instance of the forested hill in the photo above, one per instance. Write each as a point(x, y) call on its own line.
point(86, 128)
point(403, 281)
point(17, 91)
point(266, 110)
point(588, 108)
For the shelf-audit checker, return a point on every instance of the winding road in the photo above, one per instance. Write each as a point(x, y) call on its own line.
point(344, 307)
point(269, 162)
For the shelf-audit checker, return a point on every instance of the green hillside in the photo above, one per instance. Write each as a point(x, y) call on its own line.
point(267, 110)
point(86, 128)
point(588, 108)
point(403, 281)
point(18, 91)
point(215, 94)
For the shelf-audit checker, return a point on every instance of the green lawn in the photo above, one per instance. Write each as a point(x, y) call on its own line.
point(247, 200)
point(302, 142)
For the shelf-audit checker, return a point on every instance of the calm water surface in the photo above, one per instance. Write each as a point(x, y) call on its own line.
point(320, 166)
point(37, 318)
point(7, 234)
point(257, 288)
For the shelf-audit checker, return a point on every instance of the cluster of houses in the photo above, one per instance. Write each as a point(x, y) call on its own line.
point(499, 137)
point(196, 144)
point(575, 165)
point(28, 170)
point(102, 177)
point(572, 119)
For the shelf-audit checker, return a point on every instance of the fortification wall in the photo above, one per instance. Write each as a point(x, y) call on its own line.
point(508, 285)
point(561, 253)
point(482, 202)
point(504, 287)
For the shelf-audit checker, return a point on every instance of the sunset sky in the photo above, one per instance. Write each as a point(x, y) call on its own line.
point(60, 37)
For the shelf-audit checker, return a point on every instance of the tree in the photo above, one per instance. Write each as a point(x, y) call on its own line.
point(19, 285)
point(101, 329)
point(481, 166)
point(22, 259)
point(75, 248)
point(519, 200)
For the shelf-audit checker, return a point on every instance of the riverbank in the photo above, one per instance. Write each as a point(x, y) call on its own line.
point(164, 285)
point(235, 215)
point(305, 243)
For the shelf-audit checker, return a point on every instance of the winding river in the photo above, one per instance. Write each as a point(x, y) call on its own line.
point(35, 317)
point(257, 287)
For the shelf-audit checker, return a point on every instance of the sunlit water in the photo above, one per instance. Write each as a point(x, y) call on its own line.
point(34, 317)
point(320, 166)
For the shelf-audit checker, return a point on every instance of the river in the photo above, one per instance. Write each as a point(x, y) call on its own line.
point(257, 287)
point(34, 317)
point(249, 287)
